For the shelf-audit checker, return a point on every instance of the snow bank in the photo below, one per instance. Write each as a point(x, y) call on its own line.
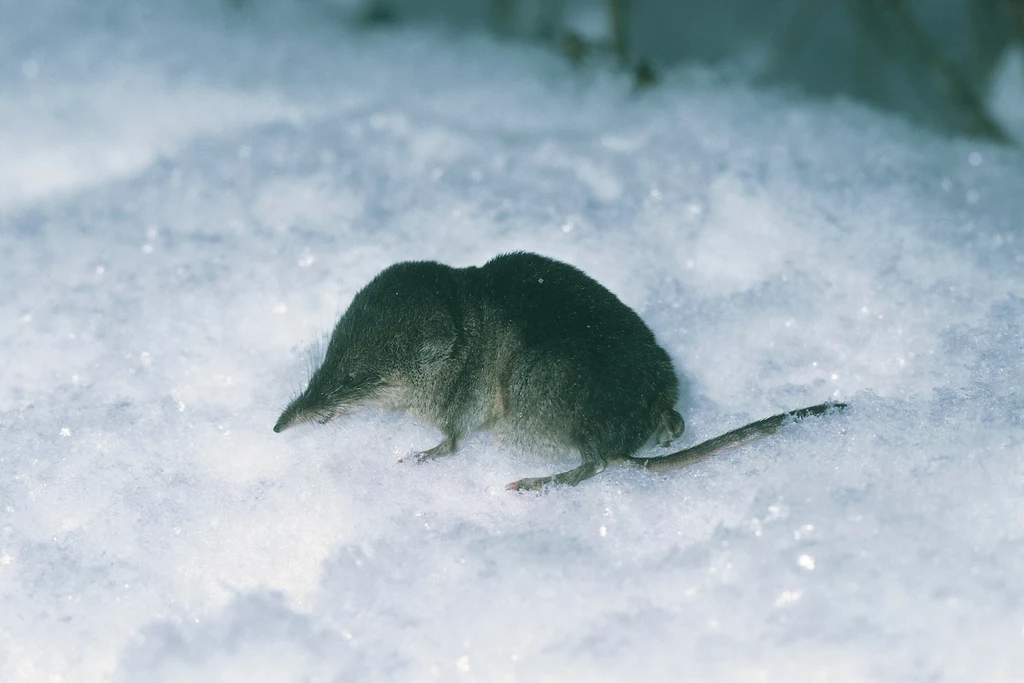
point(187, 204)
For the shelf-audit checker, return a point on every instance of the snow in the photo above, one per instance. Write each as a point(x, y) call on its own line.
point(187, 202)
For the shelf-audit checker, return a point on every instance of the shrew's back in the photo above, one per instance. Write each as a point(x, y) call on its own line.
point(604, 363)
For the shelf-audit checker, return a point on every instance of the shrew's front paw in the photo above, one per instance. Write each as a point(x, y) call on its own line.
point(441, 450)
point(427, 456)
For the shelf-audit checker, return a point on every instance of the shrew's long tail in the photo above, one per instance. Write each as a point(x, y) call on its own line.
point(730, 440)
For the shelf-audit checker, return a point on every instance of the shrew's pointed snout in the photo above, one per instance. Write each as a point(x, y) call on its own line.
point(288, 417)
point(322, 400)
point(284, 422)
point(309, 406)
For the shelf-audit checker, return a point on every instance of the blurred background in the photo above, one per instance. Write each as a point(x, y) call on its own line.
point(943, 63)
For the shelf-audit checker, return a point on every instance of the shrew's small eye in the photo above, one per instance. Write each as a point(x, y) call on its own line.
point(349, 378)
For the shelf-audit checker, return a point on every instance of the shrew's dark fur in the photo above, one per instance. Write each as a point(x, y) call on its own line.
point(525, 345)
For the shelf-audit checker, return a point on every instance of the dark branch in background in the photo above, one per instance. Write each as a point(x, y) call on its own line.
point(618, 17)
point(949, 80)
point(946, 75)
point(577, 48)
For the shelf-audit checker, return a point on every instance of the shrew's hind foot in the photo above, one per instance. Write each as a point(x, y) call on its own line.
point(671, 427)
point(529, 484)
point(441, 450)
point(570, 478)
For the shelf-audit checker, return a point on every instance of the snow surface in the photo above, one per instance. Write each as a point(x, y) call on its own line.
point(188, 200)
